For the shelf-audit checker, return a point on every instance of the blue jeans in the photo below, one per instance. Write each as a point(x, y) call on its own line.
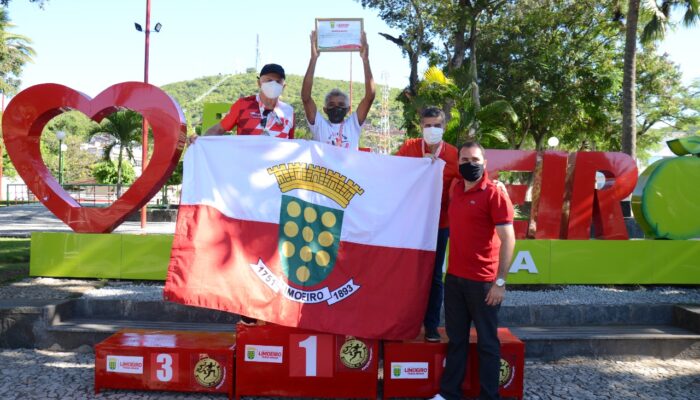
point(432, 313)
point(465, 303)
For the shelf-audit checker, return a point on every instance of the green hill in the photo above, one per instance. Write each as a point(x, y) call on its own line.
point(189, 95)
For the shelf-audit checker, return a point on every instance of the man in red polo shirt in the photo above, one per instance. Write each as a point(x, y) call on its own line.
point(261, 114)
point(481, 248)
point(431, 145)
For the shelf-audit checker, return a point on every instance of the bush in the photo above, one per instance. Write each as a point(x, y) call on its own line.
point(106, 172)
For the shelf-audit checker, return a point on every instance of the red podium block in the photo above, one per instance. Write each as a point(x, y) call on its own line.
point(512, 366)
point(273, 360)
point(166, 360)
point(413, 368)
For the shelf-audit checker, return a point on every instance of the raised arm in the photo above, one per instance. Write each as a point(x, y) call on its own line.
point(366, 103)
point(309, 104)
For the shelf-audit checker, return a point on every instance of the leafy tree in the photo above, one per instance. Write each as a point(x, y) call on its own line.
point(655, 29)
point(486, 124)
point(662, 98)
point(413, 18)
point(77, 162)
point(124, 128)
point(107, 172)
point(454, 18)
point(554, 61)
point(15, 52)
point(40, 3)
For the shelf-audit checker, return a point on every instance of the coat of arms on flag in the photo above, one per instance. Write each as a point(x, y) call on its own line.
point(307, 235)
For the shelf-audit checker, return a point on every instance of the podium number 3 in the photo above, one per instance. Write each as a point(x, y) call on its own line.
point(310, 345)
point(165, 372)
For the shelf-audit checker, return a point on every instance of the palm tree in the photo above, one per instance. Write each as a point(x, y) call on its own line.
point(469, 120)
point(124, 127)
point(655, 29)
point(15, 51)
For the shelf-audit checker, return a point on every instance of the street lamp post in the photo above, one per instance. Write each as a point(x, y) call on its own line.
point(60, 135)
point(144, 134)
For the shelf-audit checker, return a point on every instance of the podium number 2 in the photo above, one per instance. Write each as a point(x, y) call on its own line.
point(311, 355)
point(165, 372)
point(310, 346)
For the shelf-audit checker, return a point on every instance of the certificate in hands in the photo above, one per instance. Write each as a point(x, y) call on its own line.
point(339, 34)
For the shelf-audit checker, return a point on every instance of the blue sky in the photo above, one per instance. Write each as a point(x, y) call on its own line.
point(89, 45)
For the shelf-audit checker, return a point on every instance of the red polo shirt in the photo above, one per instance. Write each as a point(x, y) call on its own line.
point(474, 243)
point(417, 148)
point(248, 113)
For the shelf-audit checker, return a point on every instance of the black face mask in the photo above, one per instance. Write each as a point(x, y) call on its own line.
point(471, 171)
point(336, 114)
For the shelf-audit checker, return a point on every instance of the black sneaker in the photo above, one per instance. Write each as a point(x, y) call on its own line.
point(432, 335)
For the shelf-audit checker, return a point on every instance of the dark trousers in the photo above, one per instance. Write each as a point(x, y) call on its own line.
point(464, 304)
point(432, 313)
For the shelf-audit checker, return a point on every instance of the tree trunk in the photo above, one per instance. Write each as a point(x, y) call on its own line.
point(629, 106)
point(413, 77)
point(119, 171)
point(473, 65)
point(474, 128)
point(460, 44)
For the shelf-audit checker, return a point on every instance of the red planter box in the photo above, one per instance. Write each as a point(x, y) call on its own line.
point(166, 360)
point(413, 368)
point(273, 360)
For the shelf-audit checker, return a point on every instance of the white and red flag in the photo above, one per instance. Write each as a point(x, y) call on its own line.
point(307, 235)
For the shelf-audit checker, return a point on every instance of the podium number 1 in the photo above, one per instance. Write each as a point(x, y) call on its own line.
point(311, 355)
point(310, 345)
point(165, 372)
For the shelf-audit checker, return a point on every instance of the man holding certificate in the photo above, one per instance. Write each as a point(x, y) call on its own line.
point(336, 129)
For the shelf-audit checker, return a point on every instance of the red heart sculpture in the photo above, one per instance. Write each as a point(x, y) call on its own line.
point(28, 113)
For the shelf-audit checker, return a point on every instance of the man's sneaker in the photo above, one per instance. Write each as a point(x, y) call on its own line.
point(437, 397)
point(432, 335)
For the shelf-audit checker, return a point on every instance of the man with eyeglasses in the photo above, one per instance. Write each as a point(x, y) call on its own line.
point(260, 114)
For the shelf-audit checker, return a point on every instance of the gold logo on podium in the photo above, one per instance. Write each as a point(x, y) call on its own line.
point(354, 353)
point(505, 373)
point(208, 372)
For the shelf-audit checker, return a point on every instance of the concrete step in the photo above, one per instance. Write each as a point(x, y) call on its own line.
point(544, 315)
point(588, 314)
point(555, 342)
point(550, 332)
point(687, 316)
point(141, 311)
point(77, 332)
point(23, 320)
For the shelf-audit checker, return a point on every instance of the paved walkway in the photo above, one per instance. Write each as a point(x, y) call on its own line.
point(21, 220)
point(40, 374)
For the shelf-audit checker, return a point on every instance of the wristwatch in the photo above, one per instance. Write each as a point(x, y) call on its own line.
point(500, 282)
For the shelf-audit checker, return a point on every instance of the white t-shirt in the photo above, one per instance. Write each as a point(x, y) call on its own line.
point(345, 134)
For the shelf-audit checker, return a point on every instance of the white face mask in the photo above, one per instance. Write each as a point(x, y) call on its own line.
point(271, 89)
point(432, 134)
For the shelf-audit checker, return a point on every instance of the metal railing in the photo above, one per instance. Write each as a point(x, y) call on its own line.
point(92, 195)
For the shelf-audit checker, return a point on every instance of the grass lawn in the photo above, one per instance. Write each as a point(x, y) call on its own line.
point(14, 259)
